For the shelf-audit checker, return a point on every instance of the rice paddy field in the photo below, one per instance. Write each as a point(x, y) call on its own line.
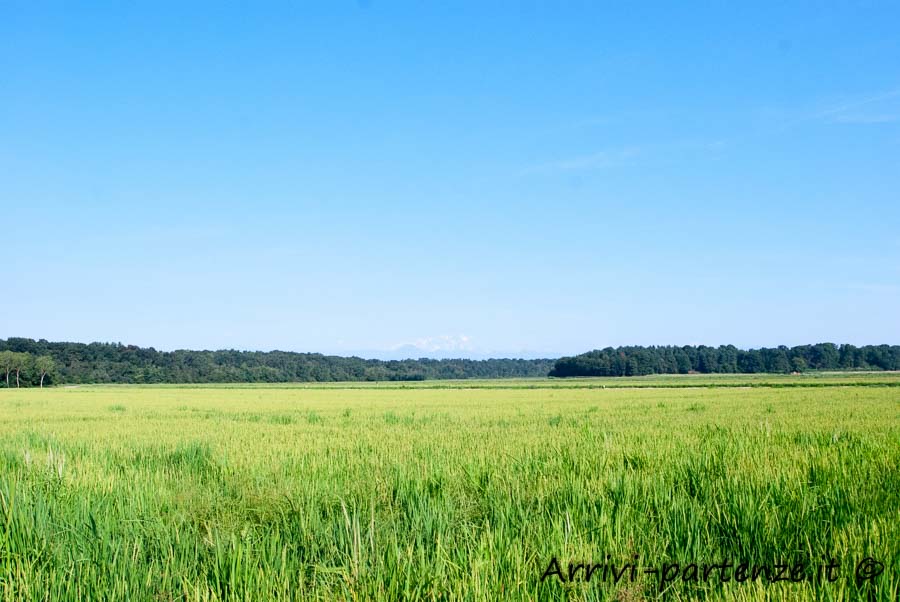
point(475, 490)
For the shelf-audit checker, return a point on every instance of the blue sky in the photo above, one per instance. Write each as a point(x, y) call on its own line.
point(413, 178)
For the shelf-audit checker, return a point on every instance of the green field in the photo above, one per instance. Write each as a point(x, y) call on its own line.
point(450, 490)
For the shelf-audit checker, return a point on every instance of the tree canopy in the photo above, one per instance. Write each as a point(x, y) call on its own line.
point(77, 363)
point(641, 361)
point(26, 362)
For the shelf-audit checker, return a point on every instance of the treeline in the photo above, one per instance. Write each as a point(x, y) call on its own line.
point(725, 359)
point(77, 363)
point(26, 362)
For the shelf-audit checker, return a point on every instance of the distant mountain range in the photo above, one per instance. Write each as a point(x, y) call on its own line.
point(407, 352)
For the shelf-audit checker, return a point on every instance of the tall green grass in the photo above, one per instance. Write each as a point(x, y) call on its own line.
point(115, 493)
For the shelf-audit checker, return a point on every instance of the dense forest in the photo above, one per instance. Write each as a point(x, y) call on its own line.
point(25, 362)
point(74, 363)
point(640, 361)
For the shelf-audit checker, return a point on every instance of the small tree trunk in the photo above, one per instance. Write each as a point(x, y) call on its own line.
point(43, 374)
point(7, 379)
point(17, 378)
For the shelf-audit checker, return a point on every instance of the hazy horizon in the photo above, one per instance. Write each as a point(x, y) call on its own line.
point(413, 352)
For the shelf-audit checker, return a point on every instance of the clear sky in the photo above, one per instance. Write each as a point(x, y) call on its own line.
point(466, 179)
